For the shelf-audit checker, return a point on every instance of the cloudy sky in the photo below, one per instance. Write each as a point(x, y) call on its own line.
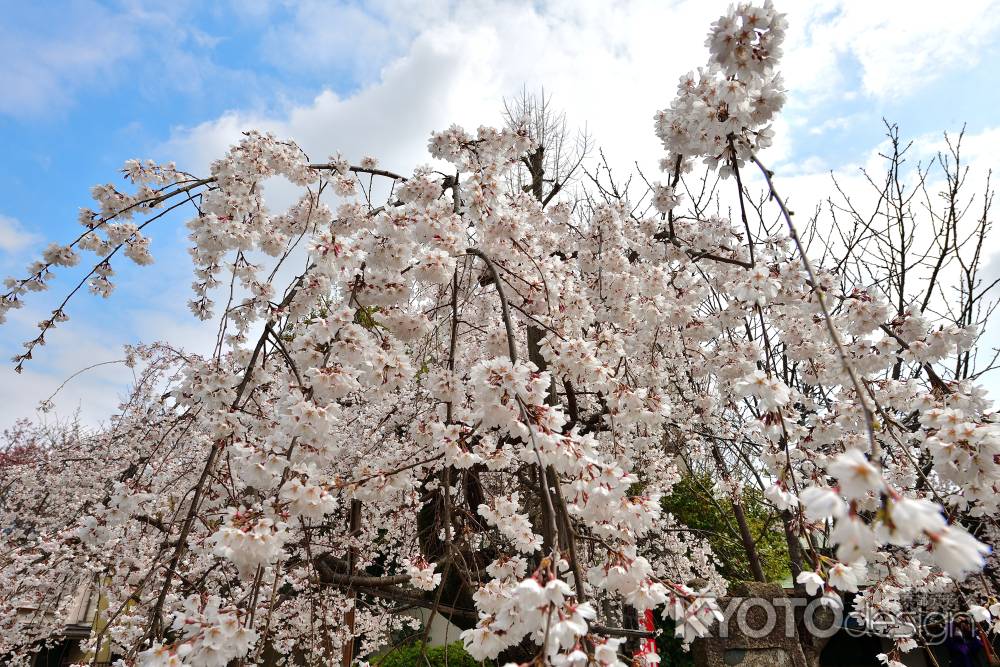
point(87, 85)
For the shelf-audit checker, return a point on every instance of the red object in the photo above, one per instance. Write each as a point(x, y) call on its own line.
point(647, 646)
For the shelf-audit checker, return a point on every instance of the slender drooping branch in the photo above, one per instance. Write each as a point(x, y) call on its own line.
point(827, 319)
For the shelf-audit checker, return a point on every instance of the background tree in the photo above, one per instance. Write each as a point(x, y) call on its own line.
point(471, 396)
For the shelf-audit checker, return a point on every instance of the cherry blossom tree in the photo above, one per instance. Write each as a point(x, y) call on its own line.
point(470, 394)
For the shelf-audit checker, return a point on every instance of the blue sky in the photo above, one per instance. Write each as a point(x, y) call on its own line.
point(90, 84)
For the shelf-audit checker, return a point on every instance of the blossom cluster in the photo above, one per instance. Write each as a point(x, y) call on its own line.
point(723, 111)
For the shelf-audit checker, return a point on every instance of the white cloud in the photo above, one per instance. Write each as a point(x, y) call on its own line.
point(611, 66)
point(51, 52)
point(93, 395)
point(836, 123)
point(893, 46)
point(899, 45)
point(344, 38)
point(607, 66)
point(13, 236)
point(980, 151)
point(47, 59)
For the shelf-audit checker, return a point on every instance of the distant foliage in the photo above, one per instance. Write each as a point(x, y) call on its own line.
point(418, 654)
point(695, 504)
